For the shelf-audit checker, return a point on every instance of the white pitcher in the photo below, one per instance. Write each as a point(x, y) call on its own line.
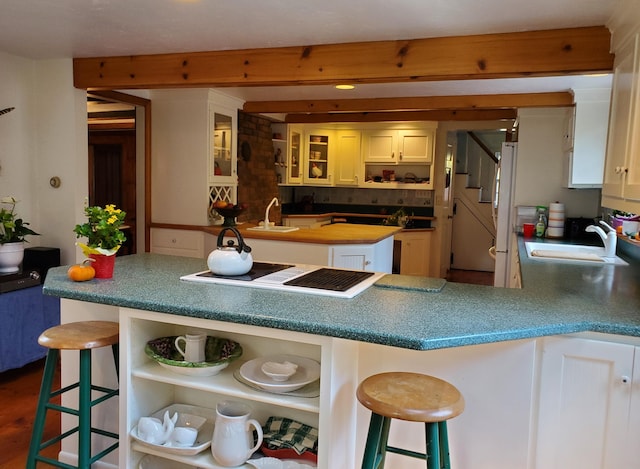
point(194, 347)
point(232, 443)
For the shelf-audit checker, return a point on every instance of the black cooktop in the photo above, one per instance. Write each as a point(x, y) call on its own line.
point(259, 269)
point(330, 279)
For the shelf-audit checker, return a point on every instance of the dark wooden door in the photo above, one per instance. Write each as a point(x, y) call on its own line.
point(112, 176)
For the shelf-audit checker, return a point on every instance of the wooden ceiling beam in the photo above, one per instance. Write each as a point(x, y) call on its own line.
point(505, 55)
point(420, 103)
point(404, 116)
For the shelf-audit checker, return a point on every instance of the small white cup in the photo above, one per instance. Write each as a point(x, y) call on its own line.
point(183, 437)
point(194, 347)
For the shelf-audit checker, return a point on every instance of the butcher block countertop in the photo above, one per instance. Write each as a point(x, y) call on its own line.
point(338, 233)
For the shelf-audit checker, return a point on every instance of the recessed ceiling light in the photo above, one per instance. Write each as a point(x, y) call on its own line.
point(345, 87)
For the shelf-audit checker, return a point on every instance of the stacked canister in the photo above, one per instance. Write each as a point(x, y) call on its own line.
point(555, 228)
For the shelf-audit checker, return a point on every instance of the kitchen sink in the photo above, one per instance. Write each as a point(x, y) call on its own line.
point(274, 229)
point(550, 252)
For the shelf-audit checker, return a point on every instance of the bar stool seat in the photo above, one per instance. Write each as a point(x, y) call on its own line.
point(82, 336)
point(412, 397)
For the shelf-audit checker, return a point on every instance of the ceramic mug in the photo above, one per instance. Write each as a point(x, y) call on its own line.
point(194, 347)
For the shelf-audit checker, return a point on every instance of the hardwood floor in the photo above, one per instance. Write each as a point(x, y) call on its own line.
point(19, 390)
point(470, 276)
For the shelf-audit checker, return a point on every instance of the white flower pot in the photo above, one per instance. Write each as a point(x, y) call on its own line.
point(11, 255)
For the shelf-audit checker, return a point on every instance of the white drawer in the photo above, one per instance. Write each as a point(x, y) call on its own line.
point(177, 242)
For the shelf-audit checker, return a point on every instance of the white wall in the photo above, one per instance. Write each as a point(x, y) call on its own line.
point(17, 149)
point(45, 136)
point(539, 167)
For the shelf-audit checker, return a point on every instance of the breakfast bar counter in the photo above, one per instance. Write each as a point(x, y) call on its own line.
point(486, 341)
point(556, 299)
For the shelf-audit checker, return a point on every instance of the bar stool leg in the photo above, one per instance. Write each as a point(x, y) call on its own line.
point(376, 446)
point(115, 349)
point(444, 445)
point(84, 417)
point(433, 446)
point(41, 411)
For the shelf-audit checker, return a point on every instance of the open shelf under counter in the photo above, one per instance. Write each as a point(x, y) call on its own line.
point(226, 384)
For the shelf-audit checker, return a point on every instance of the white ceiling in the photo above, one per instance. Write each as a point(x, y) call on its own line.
point(45, 29)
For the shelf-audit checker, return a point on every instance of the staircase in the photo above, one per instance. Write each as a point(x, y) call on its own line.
point(473, 230)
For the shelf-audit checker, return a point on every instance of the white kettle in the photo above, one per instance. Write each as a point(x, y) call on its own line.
point(231, 259)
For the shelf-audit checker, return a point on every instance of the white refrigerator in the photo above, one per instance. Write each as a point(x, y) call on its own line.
point(504, 212)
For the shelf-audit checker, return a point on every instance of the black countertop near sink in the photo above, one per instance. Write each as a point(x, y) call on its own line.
point(357, 214)
point(319, 209)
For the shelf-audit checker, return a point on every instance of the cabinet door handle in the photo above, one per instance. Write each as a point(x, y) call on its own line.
point(625, 379)
point(400, 155)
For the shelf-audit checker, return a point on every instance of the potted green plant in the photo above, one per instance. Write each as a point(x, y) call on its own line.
point(13, 231)
point(104, 234)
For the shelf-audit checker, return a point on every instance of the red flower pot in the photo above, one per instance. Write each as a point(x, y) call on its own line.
point(103, 265)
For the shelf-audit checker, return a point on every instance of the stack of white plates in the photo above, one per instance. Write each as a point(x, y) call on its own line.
point(308, 371)
point(555, 227)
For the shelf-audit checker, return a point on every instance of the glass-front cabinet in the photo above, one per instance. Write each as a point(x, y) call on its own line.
point(294, 163)
point(222, 154)
point(317, 163)
point(222, 167)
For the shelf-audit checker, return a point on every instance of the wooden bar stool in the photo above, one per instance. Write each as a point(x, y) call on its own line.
point(413, 397)
point(82, 336)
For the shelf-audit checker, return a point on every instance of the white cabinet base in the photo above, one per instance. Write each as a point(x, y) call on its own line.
point(377, 257)
point(585, 387)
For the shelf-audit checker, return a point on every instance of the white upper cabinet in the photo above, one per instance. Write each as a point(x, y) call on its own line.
point(352, 155)
point(194, 134)
point(621, 186)
point(585, 138)
point(416, 146)
point(390, 146)
point(348, 166)
point(380, 146)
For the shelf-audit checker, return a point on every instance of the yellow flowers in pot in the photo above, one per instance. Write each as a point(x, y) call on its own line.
point(102, 230)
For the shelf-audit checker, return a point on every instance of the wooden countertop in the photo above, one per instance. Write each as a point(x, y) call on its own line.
point(338, 233)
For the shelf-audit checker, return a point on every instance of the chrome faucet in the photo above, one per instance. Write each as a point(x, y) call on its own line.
point(609, 238)
point(266, 212)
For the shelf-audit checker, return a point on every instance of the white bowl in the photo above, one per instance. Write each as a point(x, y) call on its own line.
point(307, 372)
point(279, 371)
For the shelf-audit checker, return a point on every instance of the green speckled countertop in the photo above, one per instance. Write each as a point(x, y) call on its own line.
point(556, 298)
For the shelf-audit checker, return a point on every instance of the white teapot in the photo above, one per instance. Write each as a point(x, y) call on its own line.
point(231, 259)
